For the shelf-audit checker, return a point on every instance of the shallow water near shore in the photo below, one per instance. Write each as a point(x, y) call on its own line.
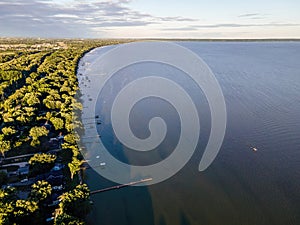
point(261, 85)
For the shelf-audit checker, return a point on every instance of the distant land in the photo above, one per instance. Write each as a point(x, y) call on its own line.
point(27, 39)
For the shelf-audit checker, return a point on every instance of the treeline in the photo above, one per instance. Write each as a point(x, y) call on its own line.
point(37, 92)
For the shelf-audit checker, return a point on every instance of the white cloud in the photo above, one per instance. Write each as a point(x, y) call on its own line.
point(78, 18)
point(107, 18)
point(65, 16)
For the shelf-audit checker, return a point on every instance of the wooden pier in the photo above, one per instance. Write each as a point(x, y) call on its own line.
point(120, 186)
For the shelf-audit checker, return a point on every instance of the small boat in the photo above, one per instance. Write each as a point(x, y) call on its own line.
point(254, 149)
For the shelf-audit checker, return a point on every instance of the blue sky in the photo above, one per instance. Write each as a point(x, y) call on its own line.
point(150, 18)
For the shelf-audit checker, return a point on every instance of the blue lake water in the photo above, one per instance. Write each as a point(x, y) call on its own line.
point(261, 85)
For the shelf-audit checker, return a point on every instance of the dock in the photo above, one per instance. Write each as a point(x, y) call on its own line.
point(120, 186)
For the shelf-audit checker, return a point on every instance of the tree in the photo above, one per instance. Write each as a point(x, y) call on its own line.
point(40, 191)
point(75, 202)
point(25, 207)
point(57, 123)
point(74, 166)
point(8, 131)
point(7, 199)
point(42, 158)
point(41, 163)
point(71, 138)
point(7, 117)
point(17, 211)
point(31, 98)
point(24, 211)
point(35, 133)
point(4, 145)
point(7, 195)
point(65, 219)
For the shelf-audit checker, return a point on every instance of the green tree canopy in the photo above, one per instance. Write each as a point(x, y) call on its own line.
point(75, 202)
point(41, 163)
point(65, 219)
point(5, 145)
point(8, 130)
point(57, 123)
point(74, 166)
point(40, 191)
point(36, 132)
point(42, 158)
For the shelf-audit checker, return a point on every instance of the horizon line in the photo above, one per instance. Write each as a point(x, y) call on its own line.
point(156, 39)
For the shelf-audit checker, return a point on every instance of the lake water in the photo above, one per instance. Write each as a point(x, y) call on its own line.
point(261, 85)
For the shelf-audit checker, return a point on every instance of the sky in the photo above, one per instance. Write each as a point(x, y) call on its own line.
point(150, 18)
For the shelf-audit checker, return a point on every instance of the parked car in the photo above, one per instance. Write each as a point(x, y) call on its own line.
point(24, 180)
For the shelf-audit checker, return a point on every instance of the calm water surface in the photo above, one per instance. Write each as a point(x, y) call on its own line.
point(261, 86)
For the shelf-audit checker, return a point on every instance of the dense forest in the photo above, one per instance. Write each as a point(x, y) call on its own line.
point(39, 114)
